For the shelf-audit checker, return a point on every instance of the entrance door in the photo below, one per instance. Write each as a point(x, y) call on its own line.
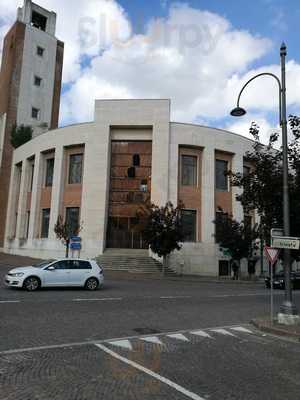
point(125, 233)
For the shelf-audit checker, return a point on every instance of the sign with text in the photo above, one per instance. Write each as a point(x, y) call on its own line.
point(283, 242)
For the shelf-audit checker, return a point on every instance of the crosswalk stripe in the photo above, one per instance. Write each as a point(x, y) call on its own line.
point(223, 332)
point(152, 339)
point(200, 333)
point(125, 344)
point(241, 329)
point(179, 336)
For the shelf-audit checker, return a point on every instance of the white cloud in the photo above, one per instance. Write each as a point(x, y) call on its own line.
point(196, 58)
point(242, 126)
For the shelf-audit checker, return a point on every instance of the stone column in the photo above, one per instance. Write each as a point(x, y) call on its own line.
point(14, 188)
point(208, 195)
point(58, 181)
point(36, 196)
point(21, 221)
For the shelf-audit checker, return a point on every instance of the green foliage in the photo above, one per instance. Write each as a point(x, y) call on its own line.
point(234, 236)
point(20, 135)
point(163, 230)
point(263, 187)
point(64, 231)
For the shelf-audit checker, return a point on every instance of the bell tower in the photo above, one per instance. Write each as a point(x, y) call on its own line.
point(30, 84)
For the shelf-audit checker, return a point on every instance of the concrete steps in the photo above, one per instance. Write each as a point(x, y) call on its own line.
point(137, 262)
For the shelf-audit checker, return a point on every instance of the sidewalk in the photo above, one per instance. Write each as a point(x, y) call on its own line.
point(15, 261)
point(264, 324)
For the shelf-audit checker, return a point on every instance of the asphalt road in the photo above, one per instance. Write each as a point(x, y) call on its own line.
point(117, 343)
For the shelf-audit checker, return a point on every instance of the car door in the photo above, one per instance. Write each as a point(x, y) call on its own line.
point(56, 276)
point(79, 272)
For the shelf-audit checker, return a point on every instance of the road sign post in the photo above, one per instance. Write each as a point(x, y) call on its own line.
point(272, 255)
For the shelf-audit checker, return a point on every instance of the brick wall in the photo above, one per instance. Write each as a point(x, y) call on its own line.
point(57, 84)
point(9, 88)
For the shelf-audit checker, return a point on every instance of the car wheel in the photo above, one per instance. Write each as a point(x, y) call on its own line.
point(31, 284)
point(92, 284)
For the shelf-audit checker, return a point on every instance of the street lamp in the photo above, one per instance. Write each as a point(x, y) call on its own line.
point(288, 312)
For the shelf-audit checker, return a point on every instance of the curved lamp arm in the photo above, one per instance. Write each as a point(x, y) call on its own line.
point(280, 91)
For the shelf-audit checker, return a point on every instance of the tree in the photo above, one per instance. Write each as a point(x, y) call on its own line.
point(20, 135)
point(64, 231)
point(262, 187)
point(236, 237)
point(163, 230)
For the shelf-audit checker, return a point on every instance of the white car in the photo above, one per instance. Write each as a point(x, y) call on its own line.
point(64, 272)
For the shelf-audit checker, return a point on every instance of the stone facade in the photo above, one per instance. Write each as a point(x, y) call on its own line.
point(134, 122)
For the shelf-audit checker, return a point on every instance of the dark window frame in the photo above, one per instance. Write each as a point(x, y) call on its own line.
point(35, 113)
point(75, 223)
point(45, 223)
point(136, 160)
point(39, 21)
point(40, 51)
point(49, 177)
point(189, 170)
point(75, 179)
point(221, 179)
point(37, 81)
point(192, 238)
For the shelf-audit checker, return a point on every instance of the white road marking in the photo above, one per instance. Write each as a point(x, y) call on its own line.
point(175, 297)
point(93, 342)
point(154, 375)
point(223, 332)
point(201, 333)
point(103, 299)
point(179, 336)
point(125, 344)
point(241, 329)
point(152, 339)
point(9, 301)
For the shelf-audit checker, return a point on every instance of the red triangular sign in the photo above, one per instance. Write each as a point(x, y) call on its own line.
point(272, 254)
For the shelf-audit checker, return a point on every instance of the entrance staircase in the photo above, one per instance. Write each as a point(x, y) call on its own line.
point(131, 261)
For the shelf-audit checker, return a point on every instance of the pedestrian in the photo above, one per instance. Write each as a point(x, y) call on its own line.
point(235, 269)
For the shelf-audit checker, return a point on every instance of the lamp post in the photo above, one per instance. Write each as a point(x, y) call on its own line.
point(288, 312)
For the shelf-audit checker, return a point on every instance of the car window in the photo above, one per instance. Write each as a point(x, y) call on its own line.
point(60, 265)
point(78, 264)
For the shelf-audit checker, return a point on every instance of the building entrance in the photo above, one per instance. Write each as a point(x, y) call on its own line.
point(125, 233)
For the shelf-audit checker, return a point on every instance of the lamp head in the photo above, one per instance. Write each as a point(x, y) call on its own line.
point(238, 112)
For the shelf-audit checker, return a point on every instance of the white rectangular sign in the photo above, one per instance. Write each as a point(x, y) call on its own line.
point(286, 243)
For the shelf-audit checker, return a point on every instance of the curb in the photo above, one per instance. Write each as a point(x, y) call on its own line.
point(275, 329)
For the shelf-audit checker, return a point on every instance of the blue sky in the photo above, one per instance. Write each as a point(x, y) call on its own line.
point(199, 53)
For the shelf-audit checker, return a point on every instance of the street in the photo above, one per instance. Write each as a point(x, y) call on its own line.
point(144, 339)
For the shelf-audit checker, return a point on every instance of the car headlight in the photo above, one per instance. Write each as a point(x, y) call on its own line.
point(17, 275)
point(281, 281)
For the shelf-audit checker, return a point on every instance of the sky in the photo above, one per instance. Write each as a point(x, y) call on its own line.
point(198, 53)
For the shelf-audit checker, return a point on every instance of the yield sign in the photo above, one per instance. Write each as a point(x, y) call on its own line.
point(272, 254)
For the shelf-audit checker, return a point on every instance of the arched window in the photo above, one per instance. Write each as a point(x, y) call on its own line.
point(136, 160)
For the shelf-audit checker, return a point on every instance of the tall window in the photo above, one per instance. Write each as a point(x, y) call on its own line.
point(27, 223)
point(31, 177)
point(189, 224)
point(189, 170)
point(75, 168)
point(221, 177)
point(136, 160)
point(49, 172)
point(45, 222)
point(72, 219)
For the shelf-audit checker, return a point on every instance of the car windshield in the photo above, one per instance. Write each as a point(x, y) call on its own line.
point(42, 264)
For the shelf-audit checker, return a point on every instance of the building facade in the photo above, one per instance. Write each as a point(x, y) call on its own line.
point(98, 174)
point(30, 85)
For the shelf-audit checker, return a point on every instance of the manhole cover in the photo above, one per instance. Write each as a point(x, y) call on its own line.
point(146, 331)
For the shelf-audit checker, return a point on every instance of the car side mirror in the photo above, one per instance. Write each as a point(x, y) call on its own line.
point(51, 268)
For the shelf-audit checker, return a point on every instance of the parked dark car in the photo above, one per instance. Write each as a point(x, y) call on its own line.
point(278, 280)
